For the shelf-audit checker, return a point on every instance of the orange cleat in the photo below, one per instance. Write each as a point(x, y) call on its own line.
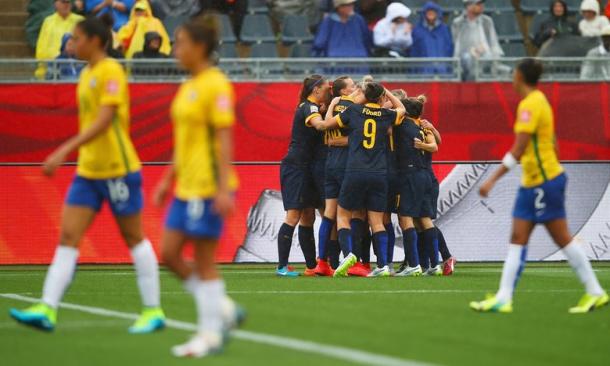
point(309, 272)
point(359, 270)
point(449, 266)
point(323, 269)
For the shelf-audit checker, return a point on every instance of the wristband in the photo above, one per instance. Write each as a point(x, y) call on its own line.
point(509, 161)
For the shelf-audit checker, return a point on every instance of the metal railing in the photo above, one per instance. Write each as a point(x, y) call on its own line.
point(294, 69)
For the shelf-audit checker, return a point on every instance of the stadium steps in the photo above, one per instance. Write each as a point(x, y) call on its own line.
point(12, 29)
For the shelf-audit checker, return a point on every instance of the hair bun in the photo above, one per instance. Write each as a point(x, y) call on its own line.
point(422, 98)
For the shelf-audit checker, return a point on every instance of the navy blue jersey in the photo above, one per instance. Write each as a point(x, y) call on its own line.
point(368, 136)
point(337, 155)
point(392, 160)
point(407, 155)
point(305, 139)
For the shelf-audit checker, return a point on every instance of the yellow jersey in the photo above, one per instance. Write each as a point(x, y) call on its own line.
point(539, 161)
point(202, 105)
point(111, 154)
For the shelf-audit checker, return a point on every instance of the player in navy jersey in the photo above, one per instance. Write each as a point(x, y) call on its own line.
point(298, 188)
point(336, 159)
point(416, 188)
point(365, 183)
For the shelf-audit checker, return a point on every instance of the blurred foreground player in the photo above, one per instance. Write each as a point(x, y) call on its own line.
point(541, 198)
point(108, 170)
point(203, 118)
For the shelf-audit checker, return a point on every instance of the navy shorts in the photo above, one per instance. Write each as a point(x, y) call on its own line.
point(298, 187)
point(393, 192)
point(416, 194)
point(123, 194)
point(364, 190)
point(195, 218)
point(543, 203)
point(318, 174)
point(435, 193)
point(333, 181)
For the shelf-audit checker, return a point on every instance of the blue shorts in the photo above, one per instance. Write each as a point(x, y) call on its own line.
point(124, 194)
point(416, 194)
point(364, 190)
point(318, 173)
point(435, 193)
point(393, 191)
point(298, 187)
point(333, 181)
point(195, 218)
point(543, 203)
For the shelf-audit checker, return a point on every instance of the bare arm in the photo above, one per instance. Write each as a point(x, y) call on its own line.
point(101, 6)
point(396, 104)
point(429, 145)
point(119, 6)
point(521, 141)
point(437, 136)
point(329, 121)
point(339, 141)
point(102, 122)
point(224, 203)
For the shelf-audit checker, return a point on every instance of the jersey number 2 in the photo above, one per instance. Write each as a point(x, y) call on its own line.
point(370, 131)
point(538, 204)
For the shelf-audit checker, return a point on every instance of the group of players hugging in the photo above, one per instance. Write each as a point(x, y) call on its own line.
point(358, 153)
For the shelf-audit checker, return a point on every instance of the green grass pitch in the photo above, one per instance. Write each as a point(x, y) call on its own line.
point(412, 320)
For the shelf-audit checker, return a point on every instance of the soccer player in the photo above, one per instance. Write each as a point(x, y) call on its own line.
point(336, 159)
point(108, 170)
point(413, 143)
point(365, 183)
point(203, 117)
point(298, 188)
point(541, 197)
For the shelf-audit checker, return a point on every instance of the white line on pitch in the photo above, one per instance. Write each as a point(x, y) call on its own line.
point(338, 352)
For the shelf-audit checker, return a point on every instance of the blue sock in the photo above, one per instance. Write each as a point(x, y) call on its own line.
point(324, 236)
point(381, 239)
point(422, 250)
point(431, 240)
point(345, 241)
point(389, 228)
point(409, 242)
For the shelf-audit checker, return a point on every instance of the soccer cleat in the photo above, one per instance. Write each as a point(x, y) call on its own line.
point(347, 263)
point(492, 305)
point(40, 316)
point(285, 272)
point(380, 272)
point(449, 266)
point(309, 272)
point(589, 303)
point(434, 271)
point(406, 271)
point(151, 320)
point(359, 270)
point(323, 268)
point(200, 345)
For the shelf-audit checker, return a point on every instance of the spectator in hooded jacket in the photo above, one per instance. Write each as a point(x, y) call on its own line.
point(431, 37)
point(343, 33)
point(592, 23)
point(141, 21)
point(597, 65)
point(393, 32)
point(556, 24)
point(68, 68)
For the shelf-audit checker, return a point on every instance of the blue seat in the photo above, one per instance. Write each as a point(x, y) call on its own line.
point(300, 50)
point(256, 28)
point(507, 27)
point(227, 50)
point(264, 50)
point(296, 29)
point(498, 6)
point(226, 29)
point(534, 6)
point(451, 6)
point(258, 7)
point(514, 49)
point(171, 23)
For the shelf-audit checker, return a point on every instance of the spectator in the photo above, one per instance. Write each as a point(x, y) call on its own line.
point(474, 37)
point(152, 47)
point(432, 37)
point(52, 31)
point(69, 68)
point(592, 23)
point(343, 33)
point(141, 21)
point(557, 24)
point(393, 32)
point(113, 47)
point(78, 7)
point(310, 8)
point(235, 9)
point(598, 67)
point(175, 8)
point(119, 9)
point(373, 10)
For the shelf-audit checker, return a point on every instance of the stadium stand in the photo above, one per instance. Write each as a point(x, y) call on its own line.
point(171, 23)
point(228, 50)
point(513, 49)
point(296, 30)
point(264, 50)
point(256, 29)
point(12, 33)
point(300, 50)
point(226, 30)
point(258, 7)
point(507, 27)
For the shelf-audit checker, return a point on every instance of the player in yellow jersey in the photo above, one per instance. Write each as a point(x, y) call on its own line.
point(108, 170)
point(203, 117)
point(541, 197)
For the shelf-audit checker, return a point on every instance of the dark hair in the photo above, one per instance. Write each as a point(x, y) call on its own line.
point(414, 105)
point(531, 70)
point(373, 91)
point(93, 27)
point(204, 30)
point(309, 84)
point(338, 85)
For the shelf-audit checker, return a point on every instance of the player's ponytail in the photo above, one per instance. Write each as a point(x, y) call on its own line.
point(309, 84)
point(373, 92)
point(414, 105)
point(204, 30)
